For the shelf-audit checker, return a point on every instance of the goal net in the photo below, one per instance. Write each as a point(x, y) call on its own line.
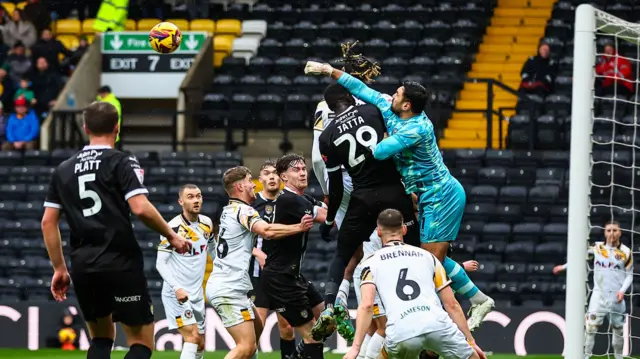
point(604, 179)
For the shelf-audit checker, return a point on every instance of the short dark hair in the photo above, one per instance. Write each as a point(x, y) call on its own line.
point(104, 89)
point(416, 95)
point(286, 161)
point(335, 94)
point(390, 220)
point(612, 222)
point(234, 175)
point(100, 118)
point(186, 186)
point(267, 163)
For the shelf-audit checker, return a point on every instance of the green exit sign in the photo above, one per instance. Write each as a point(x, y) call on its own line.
point(129, 42)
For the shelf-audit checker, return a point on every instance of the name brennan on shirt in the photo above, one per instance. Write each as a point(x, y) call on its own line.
point(400, 253)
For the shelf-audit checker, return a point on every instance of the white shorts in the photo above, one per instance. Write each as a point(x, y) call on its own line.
point(233, 311)
point(600, 307)
point(448, 343)
point(182, 314)
point(378, 308)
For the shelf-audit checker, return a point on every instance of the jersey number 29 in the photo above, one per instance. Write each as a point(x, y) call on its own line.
point(85, 193)
point(359, 138)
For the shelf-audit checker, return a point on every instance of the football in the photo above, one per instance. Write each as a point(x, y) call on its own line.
point(165, 38)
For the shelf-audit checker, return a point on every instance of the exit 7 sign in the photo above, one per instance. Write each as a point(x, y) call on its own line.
point(129, 42)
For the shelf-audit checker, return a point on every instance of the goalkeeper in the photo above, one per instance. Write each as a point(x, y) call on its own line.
point(412, 144)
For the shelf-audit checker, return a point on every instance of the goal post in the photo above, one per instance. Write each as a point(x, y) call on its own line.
point(584, 54)
point(604, 134)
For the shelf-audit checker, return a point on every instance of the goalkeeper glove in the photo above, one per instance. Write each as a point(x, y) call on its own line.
point(316, 68)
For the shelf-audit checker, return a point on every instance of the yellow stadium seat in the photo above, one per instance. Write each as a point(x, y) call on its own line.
point(510, 77)
point(202, 25)
point(90, 38)
point(487, 67)
point(499, 49)
point(68, 26)
point(69, 41)
point(182, 24)
point(223, 43)
point(506, 21)
point(87, 26)
point(21, 5)
point(491, 58)
point(218, 57)
point(498, 40)
point(229, 26)
point(130, 25)
point(535, 21)
point(513, 3)
point(521, 12)
point(521, 40)
point(512, 67)
point(524, 49)
point(519, 30)
point(147, 24)
point(8, 7)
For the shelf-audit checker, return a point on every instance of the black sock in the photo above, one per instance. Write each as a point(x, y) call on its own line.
point(314, 351)
point(100, 348)
point(138, 351)
point(336, 273)
point(330, 294)
point(299, 351)
point(287, 347)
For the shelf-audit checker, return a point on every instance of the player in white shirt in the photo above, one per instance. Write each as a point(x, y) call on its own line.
point(229, 284)
point(183, 274)
point(413, 287)
point(612, 277)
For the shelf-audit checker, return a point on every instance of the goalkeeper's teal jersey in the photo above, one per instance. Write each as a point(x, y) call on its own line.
point(411, 143)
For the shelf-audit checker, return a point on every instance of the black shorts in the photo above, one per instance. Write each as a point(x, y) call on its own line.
point(257, 294)
point(125, 295)
point(292, 296)
point(362, 214)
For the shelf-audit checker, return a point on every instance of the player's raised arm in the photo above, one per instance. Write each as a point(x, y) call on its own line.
point(316, 157)
point(400, 141)
point(357, 88)
point(277, 231)
point(336, 184)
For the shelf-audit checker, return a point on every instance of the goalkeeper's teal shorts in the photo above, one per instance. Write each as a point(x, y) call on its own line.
point(440, 210)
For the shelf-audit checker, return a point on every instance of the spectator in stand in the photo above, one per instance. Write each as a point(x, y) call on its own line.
point(71, 62)
point(23, 128)
point(198, 9)
point(37, 13)
point(49, 48)
point(46, 85)
point(4, 49)
point(19, 30)
point(617, 74)
point(6, 87)
point(538, 73)
point(105, 95)
point(25, 91)
point(17, 64)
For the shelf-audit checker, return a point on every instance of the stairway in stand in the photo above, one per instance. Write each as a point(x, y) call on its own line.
point(516, 28)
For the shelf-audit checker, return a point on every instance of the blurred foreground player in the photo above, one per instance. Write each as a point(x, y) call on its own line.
point(265, 204)
point(414, 288)
point(183, 274)
point(612, 277)
point(413, 146)
point(96, 189)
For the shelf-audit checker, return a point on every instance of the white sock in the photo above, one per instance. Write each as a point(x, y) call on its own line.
point(617, 342)
point(343, 291)
point(255, 355)
point(375, 346)
point(363, 347)
point(590, 340)
point(478, 298)
point(189, 351)
point(200, 355)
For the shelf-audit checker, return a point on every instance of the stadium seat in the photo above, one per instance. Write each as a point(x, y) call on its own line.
point(68, 26)
point(229, 27)
point(8, 7)
point(130, 25)
point(70, 42)
point(147, 24)
point(207, 25)
point(87, 26)
point(180, 23)
point(245, 47)
point(257, 28)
